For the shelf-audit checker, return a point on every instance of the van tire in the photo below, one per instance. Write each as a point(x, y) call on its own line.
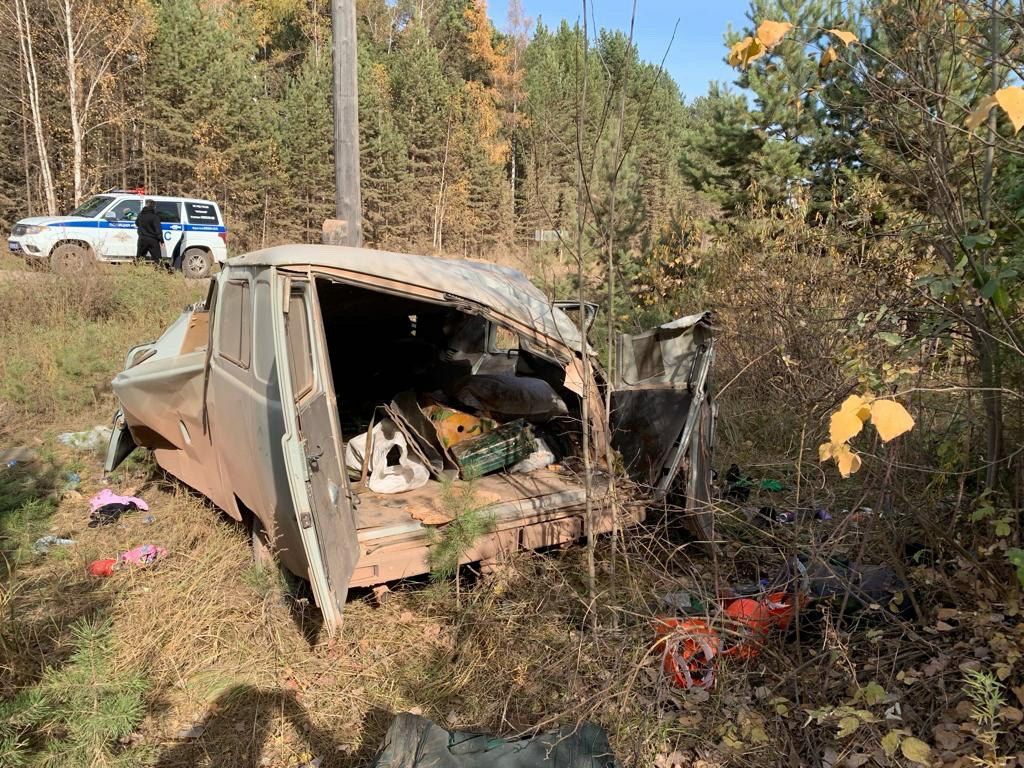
point(196, 263)
point(68, 258)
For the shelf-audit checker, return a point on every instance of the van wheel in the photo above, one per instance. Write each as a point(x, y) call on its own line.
point(196, 263)
point(71, 257)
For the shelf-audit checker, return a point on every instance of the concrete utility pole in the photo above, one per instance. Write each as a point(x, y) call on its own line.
point(347, 229)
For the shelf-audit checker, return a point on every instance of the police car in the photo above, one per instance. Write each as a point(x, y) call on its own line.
point(103, 229)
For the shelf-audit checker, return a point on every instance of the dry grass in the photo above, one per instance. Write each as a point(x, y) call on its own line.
point(223, 646)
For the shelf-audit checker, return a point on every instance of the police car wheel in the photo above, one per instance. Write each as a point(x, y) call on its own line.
point(71, 257)
point(196, 263)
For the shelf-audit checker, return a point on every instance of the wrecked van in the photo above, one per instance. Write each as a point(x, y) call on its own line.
point(332, 397)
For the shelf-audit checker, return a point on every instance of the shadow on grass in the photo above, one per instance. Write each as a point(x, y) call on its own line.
point(243, 728)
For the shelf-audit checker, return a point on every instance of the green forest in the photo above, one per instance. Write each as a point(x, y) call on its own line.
point(850, 207)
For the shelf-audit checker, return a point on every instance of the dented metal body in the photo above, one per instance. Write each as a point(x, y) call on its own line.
point(249, 398)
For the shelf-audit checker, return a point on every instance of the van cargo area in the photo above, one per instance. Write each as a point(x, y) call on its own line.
point(397, 358)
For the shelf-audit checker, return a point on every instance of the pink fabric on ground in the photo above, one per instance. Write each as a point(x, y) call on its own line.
point(143, 555)
point(107, 496)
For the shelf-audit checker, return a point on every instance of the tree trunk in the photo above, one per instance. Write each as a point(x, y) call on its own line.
point(71, 65)
point(24, 23)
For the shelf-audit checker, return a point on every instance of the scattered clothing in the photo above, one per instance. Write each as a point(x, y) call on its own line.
point(109, 513)
point(42, 545)
point(107, 496)
point(140, 557)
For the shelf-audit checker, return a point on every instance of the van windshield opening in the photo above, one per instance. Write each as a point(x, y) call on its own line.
point(92, 206)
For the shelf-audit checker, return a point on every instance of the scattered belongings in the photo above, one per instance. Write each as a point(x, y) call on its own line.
point(503, 447)
point(107, 507)
point(413, 741)
point(688, 648)
point(87, 440)
point(737, 485)
point(392, 467)
point(140, 557)
point(43, 544)
point(453, 426)
point(510, 396)
point(12, 457)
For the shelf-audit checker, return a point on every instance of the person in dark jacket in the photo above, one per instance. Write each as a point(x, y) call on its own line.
point(147, 224)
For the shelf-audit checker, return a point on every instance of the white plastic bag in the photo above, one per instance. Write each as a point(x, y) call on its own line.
point(407, 475)
point(539, 459)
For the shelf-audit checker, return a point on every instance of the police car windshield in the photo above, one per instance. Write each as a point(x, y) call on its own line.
point(92, 206)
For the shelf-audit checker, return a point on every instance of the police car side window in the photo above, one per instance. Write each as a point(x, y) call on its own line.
point(201, 213)
point(169, 212)
point(127, 210)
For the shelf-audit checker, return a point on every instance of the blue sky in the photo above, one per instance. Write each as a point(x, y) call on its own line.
point(696, 55)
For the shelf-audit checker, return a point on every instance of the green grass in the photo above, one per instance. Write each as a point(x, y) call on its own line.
point(78, 713)
point(63, 337)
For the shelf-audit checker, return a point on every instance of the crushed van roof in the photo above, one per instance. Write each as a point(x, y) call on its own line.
point(502, 289)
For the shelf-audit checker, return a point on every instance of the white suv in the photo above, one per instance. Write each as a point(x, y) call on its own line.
point(103, 229)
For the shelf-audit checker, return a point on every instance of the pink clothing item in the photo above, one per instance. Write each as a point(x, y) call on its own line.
point(142, 555)
point(107, 496)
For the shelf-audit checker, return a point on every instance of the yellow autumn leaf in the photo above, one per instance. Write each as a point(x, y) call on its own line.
point(843, 426)
point(1011, 99)
point(827, 57)
point(858, 405)
point(770, 33)
point(847, 461)
point(824, 451)
point(916, 750)
point(977, 117)
point(744, 52)
point(890, 419)
point(848, 38)
point(891, 742)
point(847, 726)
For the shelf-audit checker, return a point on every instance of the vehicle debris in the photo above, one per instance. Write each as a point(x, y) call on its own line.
point(413, 741)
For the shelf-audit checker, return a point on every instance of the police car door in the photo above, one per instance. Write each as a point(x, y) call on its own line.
point(120, 239)
point(171, 227)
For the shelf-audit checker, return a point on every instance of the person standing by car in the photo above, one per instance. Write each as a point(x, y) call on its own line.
point(147, 224)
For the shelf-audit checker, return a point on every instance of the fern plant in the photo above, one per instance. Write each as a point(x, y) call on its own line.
point(986, 695)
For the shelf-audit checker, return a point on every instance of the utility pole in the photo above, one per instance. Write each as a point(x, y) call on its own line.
point(347, 228)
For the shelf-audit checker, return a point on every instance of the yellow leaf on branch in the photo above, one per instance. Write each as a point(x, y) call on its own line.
point(847, 461)
point(848, 38)
point(1011, 99)
point(844, 426)
point(827, 57)
point(890, 419)
point(770, 33)
point(744, 52)
point(980, 113)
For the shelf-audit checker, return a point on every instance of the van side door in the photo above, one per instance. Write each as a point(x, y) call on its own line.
point(663, 413)
point(312, 447)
